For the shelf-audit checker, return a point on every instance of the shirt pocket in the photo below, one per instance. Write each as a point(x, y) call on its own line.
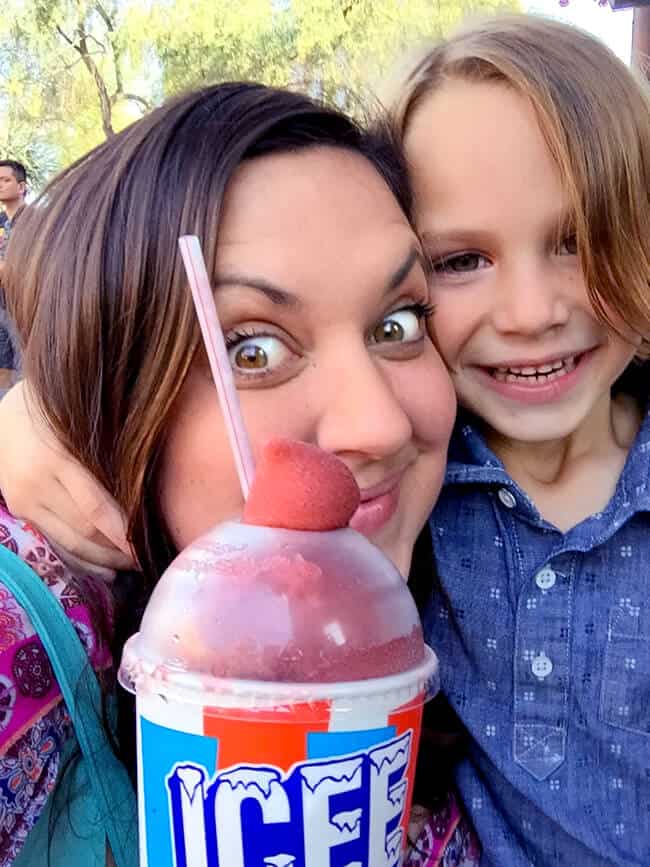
point(625, 693)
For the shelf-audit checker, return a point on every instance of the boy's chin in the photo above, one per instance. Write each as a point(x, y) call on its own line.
point(529, 424)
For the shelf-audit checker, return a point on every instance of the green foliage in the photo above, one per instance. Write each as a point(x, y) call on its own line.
point(201, 41)
point(348, 47)
point(75, 71)
point(24, 106)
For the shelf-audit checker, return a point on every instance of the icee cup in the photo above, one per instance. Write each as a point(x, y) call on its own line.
point(280, 677)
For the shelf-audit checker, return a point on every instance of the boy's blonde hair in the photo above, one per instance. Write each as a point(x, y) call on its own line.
point(595, 116)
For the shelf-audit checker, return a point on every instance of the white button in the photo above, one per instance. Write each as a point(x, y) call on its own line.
point(545, 578)
point(507, 498)
point(542, 666)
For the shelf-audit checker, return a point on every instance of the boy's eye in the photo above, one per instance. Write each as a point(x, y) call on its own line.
point(401, 326)
point(569, 246)
point(252, 354)
point(459, 263)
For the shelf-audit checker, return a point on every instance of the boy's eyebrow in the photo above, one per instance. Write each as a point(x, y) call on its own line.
point(274, 293)
point(399, 276)
point(561, 221)
point(456, 236)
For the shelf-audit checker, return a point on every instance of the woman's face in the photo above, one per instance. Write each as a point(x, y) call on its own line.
point(323, 300)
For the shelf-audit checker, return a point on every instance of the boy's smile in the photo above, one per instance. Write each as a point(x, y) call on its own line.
point(537, 381)
point(514, 320)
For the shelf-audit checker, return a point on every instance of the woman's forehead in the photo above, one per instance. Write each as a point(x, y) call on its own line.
point(315, 181)
point(319, 217)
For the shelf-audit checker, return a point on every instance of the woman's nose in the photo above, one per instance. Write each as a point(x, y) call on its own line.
point(361, 413)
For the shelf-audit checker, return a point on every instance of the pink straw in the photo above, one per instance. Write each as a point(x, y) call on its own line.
point(215, 345)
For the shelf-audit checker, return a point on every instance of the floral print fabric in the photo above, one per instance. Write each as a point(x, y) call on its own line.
point(34, 724)
point(443, 838)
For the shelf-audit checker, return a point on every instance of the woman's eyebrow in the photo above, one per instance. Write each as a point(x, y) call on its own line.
point(281, 296)
point(399, 276)
point(274, 293)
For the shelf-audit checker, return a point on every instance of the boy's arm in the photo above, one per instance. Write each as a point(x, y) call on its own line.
point(43, 485)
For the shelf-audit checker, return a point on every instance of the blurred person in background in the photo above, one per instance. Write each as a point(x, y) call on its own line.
point(13, 187)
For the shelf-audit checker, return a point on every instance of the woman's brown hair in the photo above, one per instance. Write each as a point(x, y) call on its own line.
point(595, 116)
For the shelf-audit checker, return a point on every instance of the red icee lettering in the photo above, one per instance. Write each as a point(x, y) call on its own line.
point(350, 808)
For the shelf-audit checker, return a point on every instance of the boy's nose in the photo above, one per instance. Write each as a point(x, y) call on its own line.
point(530, 302)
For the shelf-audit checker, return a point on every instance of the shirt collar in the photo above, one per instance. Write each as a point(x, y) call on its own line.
point(471, 461)
point(470, 457)
point(6, 220)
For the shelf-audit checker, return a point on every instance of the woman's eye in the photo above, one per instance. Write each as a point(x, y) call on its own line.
point(401, 326)
point(252, 354)
point(568, 246)
point(459, 263)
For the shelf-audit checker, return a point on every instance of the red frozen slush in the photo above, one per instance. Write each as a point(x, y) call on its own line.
point(292, 595)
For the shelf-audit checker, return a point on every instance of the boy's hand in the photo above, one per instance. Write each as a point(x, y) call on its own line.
point(43, 485)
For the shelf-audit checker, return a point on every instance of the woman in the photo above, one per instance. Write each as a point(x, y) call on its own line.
point(322, 292)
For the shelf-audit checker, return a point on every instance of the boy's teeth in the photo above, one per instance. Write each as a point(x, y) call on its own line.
point(544, 373)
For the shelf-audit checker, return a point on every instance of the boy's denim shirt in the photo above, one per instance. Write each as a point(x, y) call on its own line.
point(544, 646)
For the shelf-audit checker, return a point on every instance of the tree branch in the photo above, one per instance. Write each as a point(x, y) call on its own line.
point(65, 36)
point(132, 97)
point(348, 6)
point(108, 21)
point(68, 66)
point(112, 40)
point(95, 40)
point(100, 84)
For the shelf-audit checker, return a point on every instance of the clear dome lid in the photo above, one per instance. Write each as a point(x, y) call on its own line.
point(275, 605)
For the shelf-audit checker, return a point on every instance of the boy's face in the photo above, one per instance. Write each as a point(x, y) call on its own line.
point(10, 188)
point(513, 319)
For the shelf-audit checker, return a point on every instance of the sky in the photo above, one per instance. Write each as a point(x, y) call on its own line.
point(614, 28)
